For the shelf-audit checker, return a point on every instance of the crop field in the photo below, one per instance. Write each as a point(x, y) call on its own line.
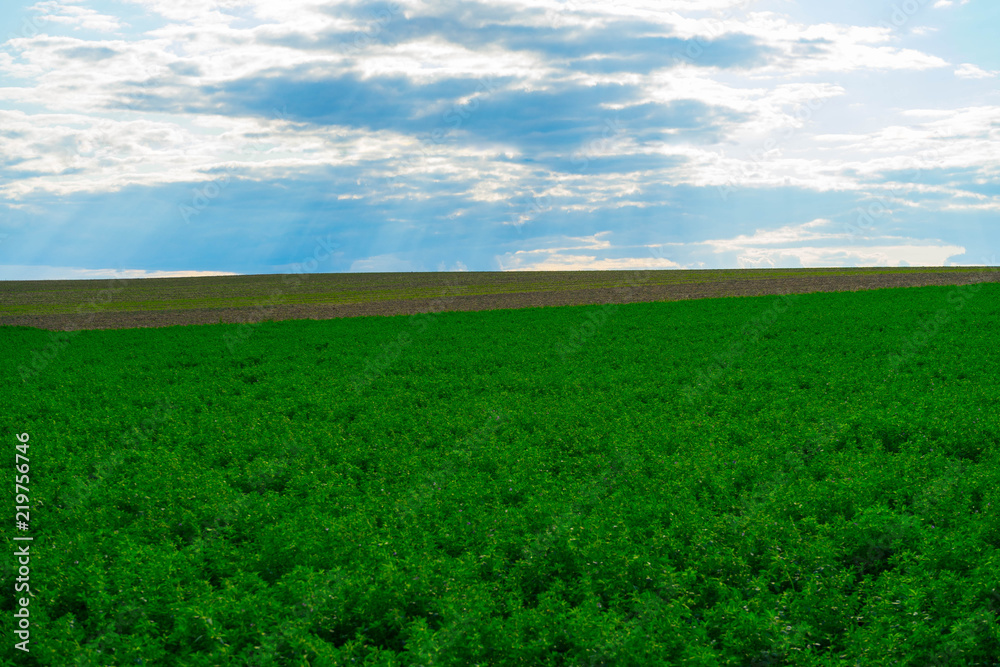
point(123, 303)
point(35, 297)
point(794, 479)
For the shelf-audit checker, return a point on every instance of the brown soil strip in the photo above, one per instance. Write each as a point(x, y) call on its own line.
point(636, 292)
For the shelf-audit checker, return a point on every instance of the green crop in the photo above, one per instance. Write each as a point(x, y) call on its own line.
point(803, 480)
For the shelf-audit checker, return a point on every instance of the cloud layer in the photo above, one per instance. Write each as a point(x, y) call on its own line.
point(237, 136)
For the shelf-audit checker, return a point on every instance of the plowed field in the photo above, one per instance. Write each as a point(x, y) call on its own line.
point(118, 304)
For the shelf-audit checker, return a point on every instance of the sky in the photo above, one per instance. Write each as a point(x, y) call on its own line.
point(153, 138)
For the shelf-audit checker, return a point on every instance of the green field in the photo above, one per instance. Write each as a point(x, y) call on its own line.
point(52, 297)
point(800, 480)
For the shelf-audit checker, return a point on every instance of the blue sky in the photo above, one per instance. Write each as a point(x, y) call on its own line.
point(144, 138)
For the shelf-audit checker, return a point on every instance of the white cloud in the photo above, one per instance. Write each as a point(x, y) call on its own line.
point(839, 48)
point(556, 258)
point(790, 234)
point(835, 256)
point(200, 11)
point(457, 266)
point(37, 272)
point(558, 262)
point(799, 248)
point(912, 146)
point(970, 71)
point(81, 18)
point(65, 153)
point(201, 37)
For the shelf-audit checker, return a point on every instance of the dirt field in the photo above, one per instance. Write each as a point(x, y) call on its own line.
point(167, 302)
